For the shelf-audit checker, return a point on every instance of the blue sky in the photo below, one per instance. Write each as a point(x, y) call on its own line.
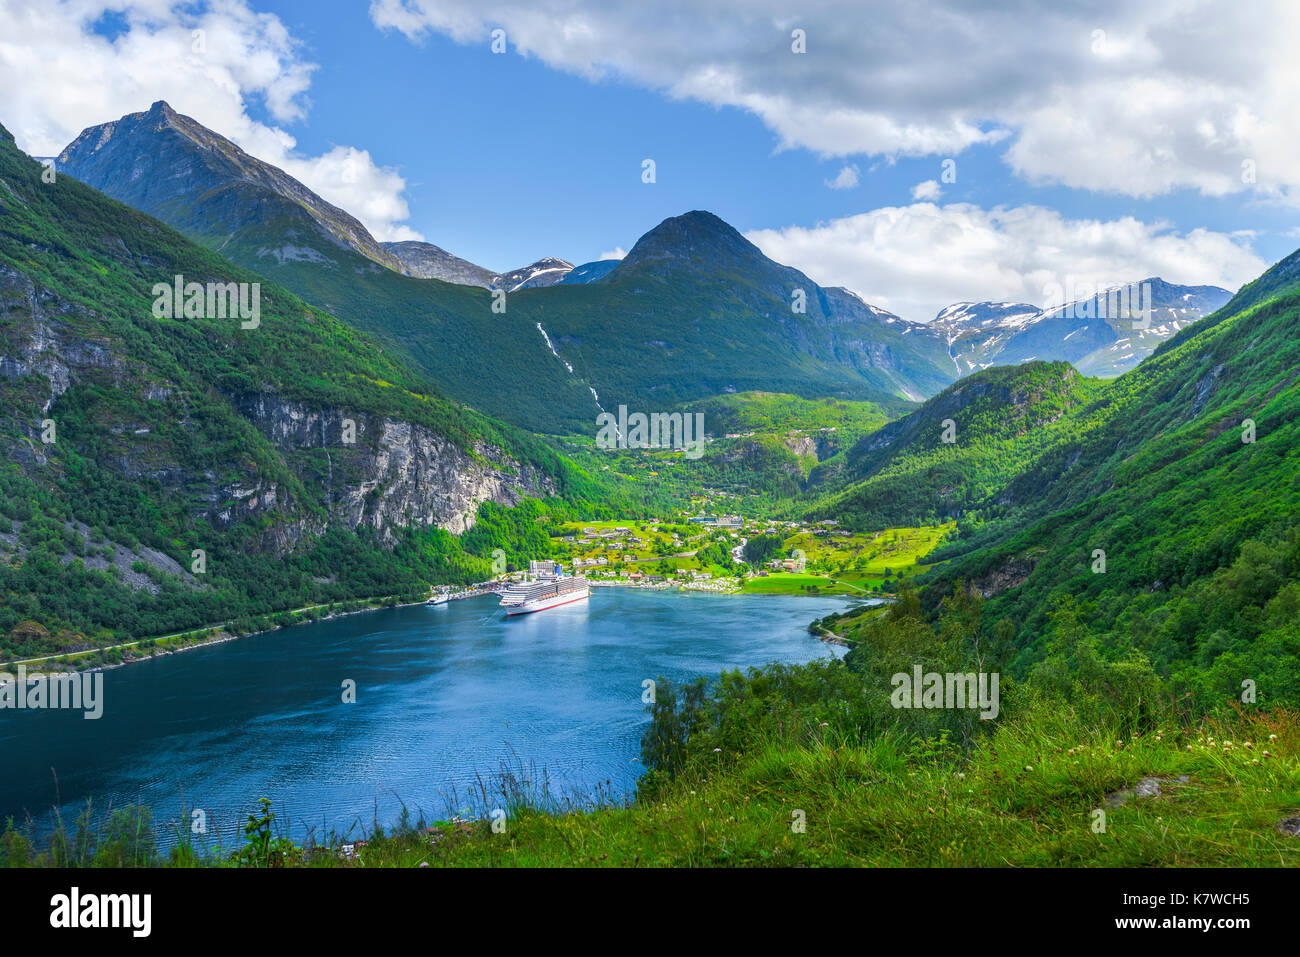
point(508, 160)
point(1103, 159)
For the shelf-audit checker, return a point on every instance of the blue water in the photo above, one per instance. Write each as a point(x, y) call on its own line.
point(444, 694)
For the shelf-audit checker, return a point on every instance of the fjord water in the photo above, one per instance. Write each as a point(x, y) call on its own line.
point(443, 693)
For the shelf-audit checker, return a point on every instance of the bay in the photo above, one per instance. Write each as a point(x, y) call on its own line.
point(447, 697)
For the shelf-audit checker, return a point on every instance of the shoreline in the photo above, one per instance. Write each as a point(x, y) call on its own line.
point(221, 636)
point(831, 638)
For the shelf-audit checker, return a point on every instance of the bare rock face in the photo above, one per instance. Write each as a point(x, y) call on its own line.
point(37, 343)
point(427, 261)
point(393, 473)
point(1010, 574)
point(800, 444)
point(317, 468)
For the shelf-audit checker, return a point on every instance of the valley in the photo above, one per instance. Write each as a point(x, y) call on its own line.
point(1098, 509)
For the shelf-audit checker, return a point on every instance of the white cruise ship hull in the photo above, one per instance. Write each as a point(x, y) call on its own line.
point(552, 601)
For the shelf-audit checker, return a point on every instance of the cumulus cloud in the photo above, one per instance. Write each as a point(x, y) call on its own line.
point(847, 178)
point(914, 260)
point(58, 76)
point(929, 190)
point(1139, 97)
point(618, 252)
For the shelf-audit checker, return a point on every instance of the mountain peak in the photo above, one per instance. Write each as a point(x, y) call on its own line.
point(697, 236)
point(427, 261)
point(695, 223)
point(547, 271)
point(172, 166)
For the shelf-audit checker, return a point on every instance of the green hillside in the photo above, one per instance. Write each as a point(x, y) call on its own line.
point(1201, 545)
point(171, 435)
point(694, 310)
point(1002, 419)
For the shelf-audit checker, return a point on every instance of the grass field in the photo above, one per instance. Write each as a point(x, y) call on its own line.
point(792, 583)
point(838, 562)
point(659, 545)
point(1029, 797)
point(1046, 790)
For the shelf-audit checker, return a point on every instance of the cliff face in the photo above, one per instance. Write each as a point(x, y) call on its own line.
point(162, 469)
point(393, 473)
point(315, 467)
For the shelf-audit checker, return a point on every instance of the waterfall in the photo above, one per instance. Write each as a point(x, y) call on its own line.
point(550, 345)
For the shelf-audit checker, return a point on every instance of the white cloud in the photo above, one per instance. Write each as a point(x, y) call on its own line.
point(913, 260)
point(929, 191)
point(847, 178)
point(618, 252)
point(349, 179)
point(1139, 97)
point(57, 77)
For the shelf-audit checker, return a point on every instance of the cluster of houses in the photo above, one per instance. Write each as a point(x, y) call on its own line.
point(786, 564)
point(618, 537)
point(719, 521)
point(722, 585)
point(615, 546)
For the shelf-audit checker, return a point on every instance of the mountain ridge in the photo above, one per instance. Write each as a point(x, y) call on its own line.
point(236, 188)
point(132, 438)
point(1082, 332)
point(557, 353)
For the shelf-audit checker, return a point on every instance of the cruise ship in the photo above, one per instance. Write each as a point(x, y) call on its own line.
point(545, 587)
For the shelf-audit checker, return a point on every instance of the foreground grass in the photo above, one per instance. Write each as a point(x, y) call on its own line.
point(1027, 796)
point(1043, 791)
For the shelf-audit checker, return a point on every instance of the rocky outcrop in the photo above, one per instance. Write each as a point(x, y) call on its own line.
point(37, 340)
point(427, 261)
point(797, 443)
point(329, 467)
point(392, 473)
point(1010, 574)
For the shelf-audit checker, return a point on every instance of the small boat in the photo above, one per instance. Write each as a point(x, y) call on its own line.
point(438, 600)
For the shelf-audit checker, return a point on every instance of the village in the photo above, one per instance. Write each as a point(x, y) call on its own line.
point(708, 553)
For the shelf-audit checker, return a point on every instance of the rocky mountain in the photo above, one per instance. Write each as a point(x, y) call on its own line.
point(427, 261)
point(694, 310)
point(204, 185)
point(1104, 335)
point(966, 316)
point(544, 272)
point(275, 440)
